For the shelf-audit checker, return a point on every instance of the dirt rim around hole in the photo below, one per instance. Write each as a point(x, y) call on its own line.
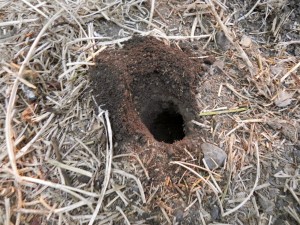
point(136, 84)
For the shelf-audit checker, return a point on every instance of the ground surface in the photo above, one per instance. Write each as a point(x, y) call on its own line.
point(60, 163)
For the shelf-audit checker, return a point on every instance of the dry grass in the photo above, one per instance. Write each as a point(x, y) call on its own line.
point(56, 150)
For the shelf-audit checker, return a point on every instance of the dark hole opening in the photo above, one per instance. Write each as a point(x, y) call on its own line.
point(165, 123)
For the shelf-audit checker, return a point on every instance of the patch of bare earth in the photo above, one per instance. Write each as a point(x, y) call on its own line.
point(61, 160)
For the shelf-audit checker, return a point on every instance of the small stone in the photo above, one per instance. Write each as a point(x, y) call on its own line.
point(84, 179)
point(297, 50)
point(222, 41)
point(213, 155)
point(215, 212)
point(284, 98)
point(246, 41)
point(266, 205)
point(288, 128)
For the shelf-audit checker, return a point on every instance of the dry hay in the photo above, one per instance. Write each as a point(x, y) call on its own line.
point(57, 163)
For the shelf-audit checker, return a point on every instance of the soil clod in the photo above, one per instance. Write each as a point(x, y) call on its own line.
point(149, 89)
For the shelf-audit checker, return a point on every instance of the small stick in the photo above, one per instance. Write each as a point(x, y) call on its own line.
point(194, 28)
point(231, 143)
point(32, 211)
point(59, 159)
point(292, 213)
point(234, 129)
point(161, 206)
point(211, 175)
point(252, 121)
point(289, 72)
point(25, 149)
point(35, 8)
point(65, 167)
point(183, 37)
point(200, 124)
point(88, 150)
point(123, 214)
point(228, 36)
point(210, 113)
point(200, 204)
point(151, 11)
point(104, 118)
point(253, 188)
point(20, 203)
point(87, 60)
point(230, 87)
point(255, 207)
point(136, 180)
point(7, 211)
point(10, 23)
point(189, 206)
point(138, 159)
point(293, 193)
point(61, 187)
point(215, 190)
point(70, 207)
point(199, 167)
point(251, 10)
point(289, 42)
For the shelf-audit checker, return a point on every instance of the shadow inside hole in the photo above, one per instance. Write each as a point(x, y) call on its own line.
point(164, 121)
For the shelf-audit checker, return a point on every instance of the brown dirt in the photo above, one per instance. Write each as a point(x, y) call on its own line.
point(149, 89)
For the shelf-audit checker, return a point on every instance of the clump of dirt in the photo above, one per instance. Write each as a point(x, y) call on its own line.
point(149, 89)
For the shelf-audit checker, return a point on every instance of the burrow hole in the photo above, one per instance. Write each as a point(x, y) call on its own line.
point(164, 121)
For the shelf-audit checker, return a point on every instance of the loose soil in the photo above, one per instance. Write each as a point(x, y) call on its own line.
point(149, 89)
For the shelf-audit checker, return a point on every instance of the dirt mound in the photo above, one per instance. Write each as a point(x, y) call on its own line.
point(149, 89)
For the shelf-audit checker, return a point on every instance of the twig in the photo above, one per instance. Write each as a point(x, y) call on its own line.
point(211, 175)
point(253, 188)
point(234, 110)
point(200, 124)
point(70, 168)
point(293, 213)
point(255, 206)
point(289, 43)
point(200, 210)
point(184, 37)
point(65, 175)
point(140, 186)
point(293, 193)
point(35, 8)
point(164, 213)
point(215, 190)
point(88, 150)
point(70, 207)
point(230, 87)
point(7, 211)
point(289, 72)
point(229, 158)
point(103, 117)
point(123, 214)
point(138, 159)
point(251, 10)
point(87, 60)
point(10, 23)
point(151, 11)
point(62, 187)
point(25, 149)
point(197, 166)
point(194, 28)
point(228, 36)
